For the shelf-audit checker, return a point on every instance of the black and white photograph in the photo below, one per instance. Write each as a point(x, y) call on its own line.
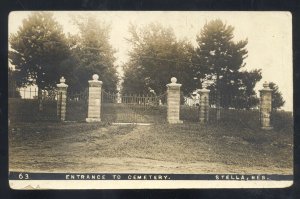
point(150, 99)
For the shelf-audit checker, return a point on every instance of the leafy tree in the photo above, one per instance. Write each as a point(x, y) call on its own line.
point(12, 87)
point(91, 53)
point(246, 96)
point(220, 61)
point(277, 99)
point(37, 50)
point(155, 57)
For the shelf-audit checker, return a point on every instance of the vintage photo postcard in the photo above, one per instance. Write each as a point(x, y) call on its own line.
point(150, 99)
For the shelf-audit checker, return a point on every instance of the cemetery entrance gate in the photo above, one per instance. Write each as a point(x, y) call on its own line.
point(130, 108)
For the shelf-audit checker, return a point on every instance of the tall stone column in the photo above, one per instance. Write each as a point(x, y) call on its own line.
point(173, 102)
point(265, 106)
point(61, 99)
point(204, 105)
point(94, 103)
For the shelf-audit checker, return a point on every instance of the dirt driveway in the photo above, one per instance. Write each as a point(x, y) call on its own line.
point(187, 148)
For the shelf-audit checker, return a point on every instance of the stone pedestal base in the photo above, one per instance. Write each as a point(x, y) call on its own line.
point(175, 121)
point(204, 105)
point(267, 128)
point(94, 101)
point(202, 121)
point(173, 101)
point(61, 99)
point(93, 120)
point(266, 107)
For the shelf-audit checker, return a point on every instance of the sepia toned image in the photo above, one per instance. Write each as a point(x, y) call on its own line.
point(150, 99)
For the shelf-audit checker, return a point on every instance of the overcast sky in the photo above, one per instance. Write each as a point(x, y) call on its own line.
point(269, 36)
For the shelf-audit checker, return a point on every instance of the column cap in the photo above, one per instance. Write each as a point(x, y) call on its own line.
point(204, 90)
point(62, 84)
point(173, 83)
point(95, 82)
point(266, 87)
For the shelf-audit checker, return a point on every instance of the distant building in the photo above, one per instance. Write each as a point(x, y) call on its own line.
point(193, 99)
point(29, 92)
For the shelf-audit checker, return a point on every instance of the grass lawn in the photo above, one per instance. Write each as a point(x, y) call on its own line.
point(183, 148)
point(133, 113)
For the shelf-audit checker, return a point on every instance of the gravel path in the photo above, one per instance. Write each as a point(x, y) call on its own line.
point(150, 149)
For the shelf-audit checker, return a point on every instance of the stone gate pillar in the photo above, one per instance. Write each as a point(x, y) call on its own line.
point(94, 103)
point(173, 101)
point(265, 106)
point(61, 99)
point(204, 105)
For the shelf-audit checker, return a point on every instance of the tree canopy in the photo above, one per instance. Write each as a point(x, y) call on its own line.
point(41, 53)
point(277, 99)
point(37, 50)
point(91, 53)
point(12, 91)
point(220, 61)
point(156, 56)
